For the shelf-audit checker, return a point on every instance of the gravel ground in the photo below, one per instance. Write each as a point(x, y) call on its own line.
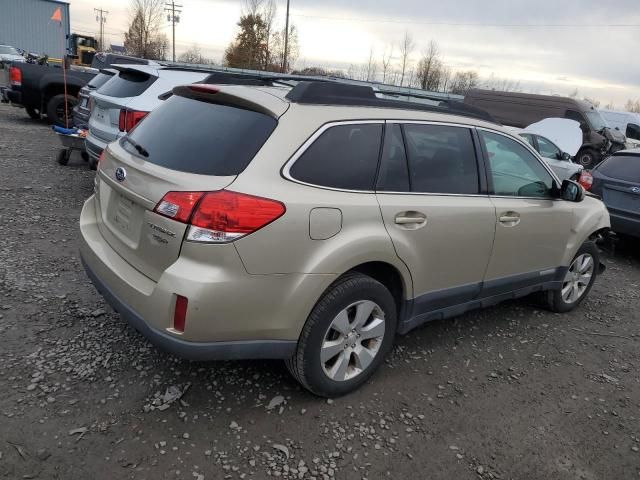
point(509, 392)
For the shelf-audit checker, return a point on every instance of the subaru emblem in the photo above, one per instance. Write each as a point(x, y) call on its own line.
point(121, 174)
point(635, 189)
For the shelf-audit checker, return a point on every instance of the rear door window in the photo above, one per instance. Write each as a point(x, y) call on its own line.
point(128, 84)
point(394, 172)
point(623, 167)
point(196, 137)
point(344, 157)
point(442, 159)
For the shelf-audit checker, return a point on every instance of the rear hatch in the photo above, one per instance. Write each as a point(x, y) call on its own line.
point(113, 96)
point(618, 179)
point(185, 145)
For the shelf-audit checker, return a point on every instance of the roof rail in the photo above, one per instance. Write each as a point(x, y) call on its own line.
point(333, 93)
point(340, 91)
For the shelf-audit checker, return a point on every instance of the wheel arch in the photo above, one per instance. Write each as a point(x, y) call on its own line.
point(389, 276)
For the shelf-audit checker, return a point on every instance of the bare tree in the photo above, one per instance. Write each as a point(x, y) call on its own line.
point(372, 67)
point(462, 82)
point(430, 68)
point(632, 106)
point(269, 12)
point(406, 49)
point(386, 62)
point(143, 39)
point(194, 55)
point(610, 106)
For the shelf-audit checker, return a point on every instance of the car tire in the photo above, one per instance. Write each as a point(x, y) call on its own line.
point(335, 329)
point(575, 285)
point(55, 110)
point(33, 113)
point(84, 156)
point(588, 158)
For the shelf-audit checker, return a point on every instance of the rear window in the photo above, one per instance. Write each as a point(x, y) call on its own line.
point(622, 167)
point(100, 79)
point(197, 137)
point(128, 84)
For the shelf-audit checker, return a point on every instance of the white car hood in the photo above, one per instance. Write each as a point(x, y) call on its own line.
point(565, 133)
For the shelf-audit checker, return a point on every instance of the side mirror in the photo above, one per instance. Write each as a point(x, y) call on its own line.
point(571, 191)
point(566, 157)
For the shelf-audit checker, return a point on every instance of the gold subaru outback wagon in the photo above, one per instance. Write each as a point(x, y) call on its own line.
point(313, 223)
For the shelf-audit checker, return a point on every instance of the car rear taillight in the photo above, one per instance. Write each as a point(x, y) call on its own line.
point(100, 158)
point(586, 180)
point(178, 205)
point(15, 77)
point(180, 313)
point(219, 217)
point(129, 119)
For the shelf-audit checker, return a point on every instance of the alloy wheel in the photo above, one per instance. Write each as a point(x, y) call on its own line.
point(578, 278)
point(352, 341)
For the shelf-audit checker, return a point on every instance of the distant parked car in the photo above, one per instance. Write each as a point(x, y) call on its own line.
point(559, 161)
point(557, 140)
point(617, 181)
point(82, 110)
point(9, 54)
point(121, 103)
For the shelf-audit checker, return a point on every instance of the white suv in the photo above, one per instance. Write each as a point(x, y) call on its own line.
point(126, 99)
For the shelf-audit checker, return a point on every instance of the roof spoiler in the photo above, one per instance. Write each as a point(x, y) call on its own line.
point(211, 94)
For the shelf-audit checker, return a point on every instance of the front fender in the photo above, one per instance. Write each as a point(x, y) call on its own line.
point(589, 217)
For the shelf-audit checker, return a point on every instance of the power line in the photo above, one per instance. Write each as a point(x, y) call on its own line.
point(173, 17)
point(462, 24)
point(101, 18)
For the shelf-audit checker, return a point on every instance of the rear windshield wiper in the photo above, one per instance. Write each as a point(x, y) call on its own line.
point(139, 148)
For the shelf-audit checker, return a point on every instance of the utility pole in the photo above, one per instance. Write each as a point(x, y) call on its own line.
point(173, 17)
point(286, 42)
point(101, 18)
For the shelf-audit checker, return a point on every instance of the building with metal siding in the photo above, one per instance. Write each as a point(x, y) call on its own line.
point(27, 24)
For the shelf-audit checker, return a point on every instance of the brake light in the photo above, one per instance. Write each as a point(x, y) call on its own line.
point(219, 217)
point(15, 77)
point(178, 205)
point(226, 216)
point(586, 180)
point(201, 88)
point(180, 313)
point(129, 119)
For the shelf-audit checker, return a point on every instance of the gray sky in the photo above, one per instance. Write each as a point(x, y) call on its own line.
point(549, 46)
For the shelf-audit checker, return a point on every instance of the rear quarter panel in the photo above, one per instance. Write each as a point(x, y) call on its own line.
point(286, 246)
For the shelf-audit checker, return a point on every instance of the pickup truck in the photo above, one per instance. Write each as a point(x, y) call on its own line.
point(39, 89)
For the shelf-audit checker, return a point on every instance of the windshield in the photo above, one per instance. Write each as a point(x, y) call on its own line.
point(596, 120)
point(8, 51)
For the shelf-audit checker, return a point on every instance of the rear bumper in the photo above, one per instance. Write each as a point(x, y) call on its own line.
point(94, 147)
point(625, 224)
point(231, 314)
point(13, 96)
point(278, 349)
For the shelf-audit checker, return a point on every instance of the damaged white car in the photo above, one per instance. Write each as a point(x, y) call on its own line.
point(557, 140)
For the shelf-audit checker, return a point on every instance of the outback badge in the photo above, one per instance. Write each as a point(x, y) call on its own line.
point(121, 174)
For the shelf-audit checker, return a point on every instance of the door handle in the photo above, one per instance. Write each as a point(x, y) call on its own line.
point(510, 219)
point(410, 219)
